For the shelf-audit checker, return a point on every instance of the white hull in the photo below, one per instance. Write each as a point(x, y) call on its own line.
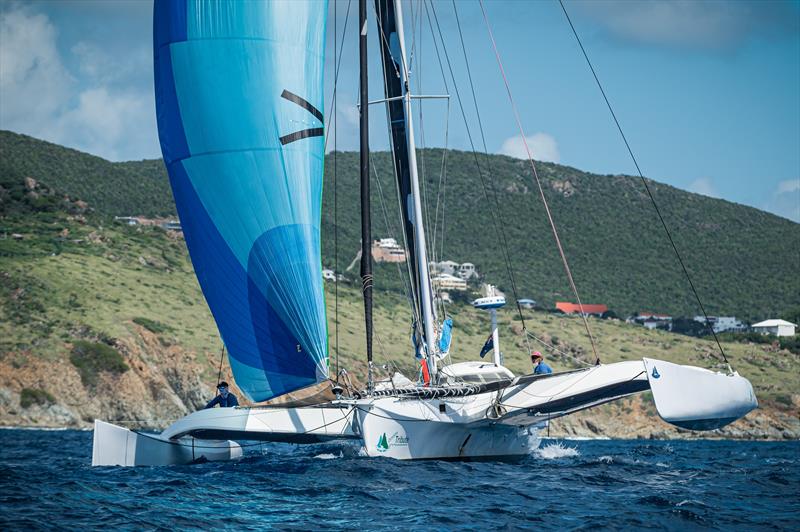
point(385, 434)
point(500, 421)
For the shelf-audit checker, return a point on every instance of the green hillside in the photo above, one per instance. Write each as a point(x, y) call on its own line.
point(745, 262)
point(135, 187)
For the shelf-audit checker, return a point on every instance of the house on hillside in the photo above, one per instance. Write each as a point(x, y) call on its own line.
point(388, 250)
point(775, 327)
point(127, 220)
point(651, 321)
point(446, 266)
point(171, 225)
point(445, 282)
point(723, 323)
point(329, 275)
point(574, 308)
point(526, 303)
point(467, 271)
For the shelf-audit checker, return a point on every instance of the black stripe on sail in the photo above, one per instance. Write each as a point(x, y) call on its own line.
point(299, 135)
point(292, 97)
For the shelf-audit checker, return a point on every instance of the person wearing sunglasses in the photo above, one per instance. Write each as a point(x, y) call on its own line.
point(225, 399)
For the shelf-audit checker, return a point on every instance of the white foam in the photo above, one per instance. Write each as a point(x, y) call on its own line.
point(329, 456)
point(556, 450)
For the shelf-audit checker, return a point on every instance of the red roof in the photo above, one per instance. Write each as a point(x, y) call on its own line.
point(569, 308)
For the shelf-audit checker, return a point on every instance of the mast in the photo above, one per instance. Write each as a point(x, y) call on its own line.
point(398, 95)
point(366, 229)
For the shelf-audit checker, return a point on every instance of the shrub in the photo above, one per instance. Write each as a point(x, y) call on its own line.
point(152, 325)
point(34, 396)
point(91, 358)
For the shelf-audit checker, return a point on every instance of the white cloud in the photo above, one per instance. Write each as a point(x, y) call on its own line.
point(543, 147)
point(704, 186)
point(100, 113)
point(785, 200)
point(690, 23)
point(33, 81)
point(788, 186)
point(106, 123)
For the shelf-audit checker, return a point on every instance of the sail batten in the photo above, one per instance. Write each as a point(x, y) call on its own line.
point(249, 202)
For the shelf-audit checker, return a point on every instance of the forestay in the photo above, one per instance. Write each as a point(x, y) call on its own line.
point(239, 93)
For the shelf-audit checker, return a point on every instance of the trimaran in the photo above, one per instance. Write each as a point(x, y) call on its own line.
point(239, 93)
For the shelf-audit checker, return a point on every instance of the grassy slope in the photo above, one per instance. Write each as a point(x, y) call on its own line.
point(744, 261)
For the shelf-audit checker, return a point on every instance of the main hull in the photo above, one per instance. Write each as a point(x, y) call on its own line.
point(408, 438)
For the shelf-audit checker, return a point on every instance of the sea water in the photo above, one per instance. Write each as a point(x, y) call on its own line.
point(46, 482)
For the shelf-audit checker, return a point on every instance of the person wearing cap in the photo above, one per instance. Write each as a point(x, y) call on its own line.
point(225, 399)
point(539, 366)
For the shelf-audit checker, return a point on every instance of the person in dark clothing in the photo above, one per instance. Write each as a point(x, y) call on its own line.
point(225, 399)
point(539, 367)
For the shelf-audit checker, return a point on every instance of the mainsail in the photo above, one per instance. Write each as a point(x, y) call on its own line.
point(239, 93)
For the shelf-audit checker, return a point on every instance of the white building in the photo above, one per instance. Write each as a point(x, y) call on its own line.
point(775, 327)
point(128, 220)
point(723, 323)
point(172, 225)
point(329, 275)
point(446, 266)
point(446, 282)
point(526, 303)
point(467, 271)
point(388, 250)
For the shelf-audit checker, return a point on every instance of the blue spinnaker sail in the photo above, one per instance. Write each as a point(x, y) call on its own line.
point(239, 94)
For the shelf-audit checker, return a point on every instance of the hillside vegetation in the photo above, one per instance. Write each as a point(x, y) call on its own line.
point(744, 262)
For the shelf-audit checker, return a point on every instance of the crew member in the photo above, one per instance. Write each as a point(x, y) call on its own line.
point(225, 399)
point(539, 366)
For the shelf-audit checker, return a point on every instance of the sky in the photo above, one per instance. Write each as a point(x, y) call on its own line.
point(707, 92)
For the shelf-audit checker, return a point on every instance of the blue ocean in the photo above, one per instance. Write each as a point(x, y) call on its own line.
point(46, 482)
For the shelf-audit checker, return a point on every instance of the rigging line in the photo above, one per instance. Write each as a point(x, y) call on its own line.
point(644, 182)
point(219, 373)
point(335, 180)
point(489, 166)
point(389, 231)
point(496, 212)
point(443, 170)
point(539, 185)
point(442, 192)
point(336, 67)
point(335, 198)
point(556, 350)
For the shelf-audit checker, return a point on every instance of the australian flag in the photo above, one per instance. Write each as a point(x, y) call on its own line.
point(488, 346)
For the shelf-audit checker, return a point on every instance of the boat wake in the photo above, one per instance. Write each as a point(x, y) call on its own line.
point(556, 450)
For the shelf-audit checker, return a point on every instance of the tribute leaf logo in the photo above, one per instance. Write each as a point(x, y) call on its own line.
point(383, 444)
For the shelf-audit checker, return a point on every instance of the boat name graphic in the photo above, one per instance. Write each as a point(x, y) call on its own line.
point(395, 440)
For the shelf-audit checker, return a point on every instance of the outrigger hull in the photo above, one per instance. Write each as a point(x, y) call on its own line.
point(498, 419)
